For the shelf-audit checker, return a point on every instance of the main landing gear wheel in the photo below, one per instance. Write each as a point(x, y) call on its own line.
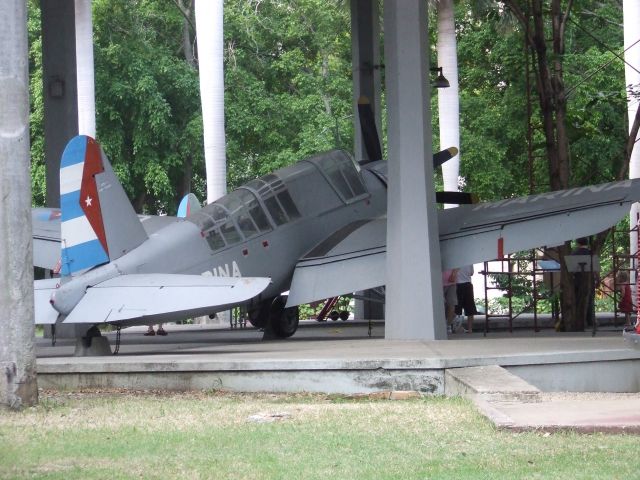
point(259, 316)
point(278, 321)
point(284, 321)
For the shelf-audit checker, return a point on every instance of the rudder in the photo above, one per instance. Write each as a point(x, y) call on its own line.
point(98, 223)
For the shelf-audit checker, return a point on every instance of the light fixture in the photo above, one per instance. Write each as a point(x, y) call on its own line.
point(440, 82)
point(56, 87)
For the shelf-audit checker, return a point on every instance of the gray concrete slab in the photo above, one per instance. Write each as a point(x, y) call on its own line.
point(583, 412)
point(490, 382)
point(342, 357)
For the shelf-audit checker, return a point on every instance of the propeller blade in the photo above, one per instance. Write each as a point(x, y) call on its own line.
point(442, 156)
point(459, 198)
point(369, 130)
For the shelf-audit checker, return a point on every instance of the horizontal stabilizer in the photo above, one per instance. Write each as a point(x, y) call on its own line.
point(42, 290)
point(45, 224)
point(162, 298)
point(46, 234)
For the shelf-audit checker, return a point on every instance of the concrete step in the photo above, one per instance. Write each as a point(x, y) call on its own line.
point(490, 382)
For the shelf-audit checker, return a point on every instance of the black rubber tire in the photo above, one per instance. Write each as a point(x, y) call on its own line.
point(259, 316)
point(344, 315)
point(334, 315)
point(284, 321)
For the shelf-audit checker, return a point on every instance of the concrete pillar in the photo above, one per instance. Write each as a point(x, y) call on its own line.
point(365, 53)
point(209, 32)
point(60, 92)
point(18, 385)
point(414, 301)
point(85, 69)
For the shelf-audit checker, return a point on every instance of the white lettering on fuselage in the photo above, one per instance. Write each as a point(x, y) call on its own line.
point(224, 271)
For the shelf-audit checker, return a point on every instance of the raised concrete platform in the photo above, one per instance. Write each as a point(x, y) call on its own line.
point(335, 358)
point(505, 374)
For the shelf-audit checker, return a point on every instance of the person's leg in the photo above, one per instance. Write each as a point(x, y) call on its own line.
point(469, 304)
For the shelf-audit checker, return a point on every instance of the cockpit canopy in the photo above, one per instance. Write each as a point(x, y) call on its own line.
point(277, 198)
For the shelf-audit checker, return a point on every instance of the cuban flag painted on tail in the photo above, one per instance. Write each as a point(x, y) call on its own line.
point(188, 205)
point(84, 243)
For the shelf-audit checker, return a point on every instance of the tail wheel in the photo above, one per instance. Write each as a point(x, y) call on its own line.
point(284, 321)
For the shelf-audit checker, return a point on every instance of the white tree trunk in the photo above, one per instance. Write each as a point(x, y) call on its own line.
point(448, 102)
point(18, 385)
point(85, 69)
point(209, 31)
point(631, 15)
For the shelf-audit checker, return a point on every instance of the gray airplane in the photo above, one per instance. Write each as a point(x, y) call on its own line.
point(316, 229)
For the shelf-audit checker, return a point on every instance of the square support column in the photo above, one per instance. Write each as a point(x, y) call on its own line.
point(365, 55)
point(60, 91)
point(414, 300)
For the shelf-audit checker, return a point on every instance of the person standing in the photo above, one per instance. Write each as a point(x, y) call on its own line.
point(585, 285)
point(450, 299)
point(625, 305)
point(464, 292)
point(150, 332)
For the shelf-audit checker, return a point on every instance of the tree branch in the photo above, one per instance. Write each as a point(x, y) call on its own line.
point(628, 148)
point(522, 18)
point(185, 13)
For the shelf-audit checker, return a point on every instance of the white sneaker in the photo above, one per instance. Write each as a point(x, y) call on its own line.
point(457, 323)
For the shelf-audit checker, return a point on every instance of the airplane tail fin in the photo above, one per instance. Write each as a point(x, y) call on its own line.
point(98, 223)
point(188, 205)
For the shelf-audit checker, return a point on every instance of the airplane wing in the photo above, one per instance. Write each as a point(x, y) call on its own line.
point(353, 259)
point(46, 234)
point(154, 298)
point(349, 260)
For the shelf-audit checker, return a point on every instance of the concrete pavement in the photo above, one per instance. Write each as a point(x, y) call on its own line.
point(342, 358)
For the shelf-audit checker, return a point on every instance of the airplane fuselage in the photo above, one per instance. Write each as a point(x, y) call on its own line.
point(259, 230)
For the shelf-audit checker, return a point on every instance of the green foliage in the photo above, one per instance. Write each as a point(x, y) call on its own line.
point(493, 100)
point(288, 83)
point(147, 102)
point(36, 115)
point(287, 93)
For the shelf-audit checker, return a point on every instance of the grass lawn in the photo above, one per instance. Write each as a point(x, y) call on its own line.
point(114, 435)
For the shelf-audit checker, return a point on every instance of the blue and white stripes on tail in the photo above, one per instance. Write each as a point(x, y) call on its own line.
point(81, 246)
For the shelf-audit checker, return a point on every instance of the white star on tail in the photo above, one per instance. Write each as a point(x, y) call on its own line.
point(88, 201)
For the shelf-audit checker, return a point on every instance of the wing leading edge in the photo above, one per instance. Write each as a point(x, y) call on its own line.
point(468, 234)
point(147, 298)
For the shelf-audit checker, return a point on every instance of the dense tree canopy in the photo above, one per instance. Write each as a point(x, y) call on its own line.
point(288, 94)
